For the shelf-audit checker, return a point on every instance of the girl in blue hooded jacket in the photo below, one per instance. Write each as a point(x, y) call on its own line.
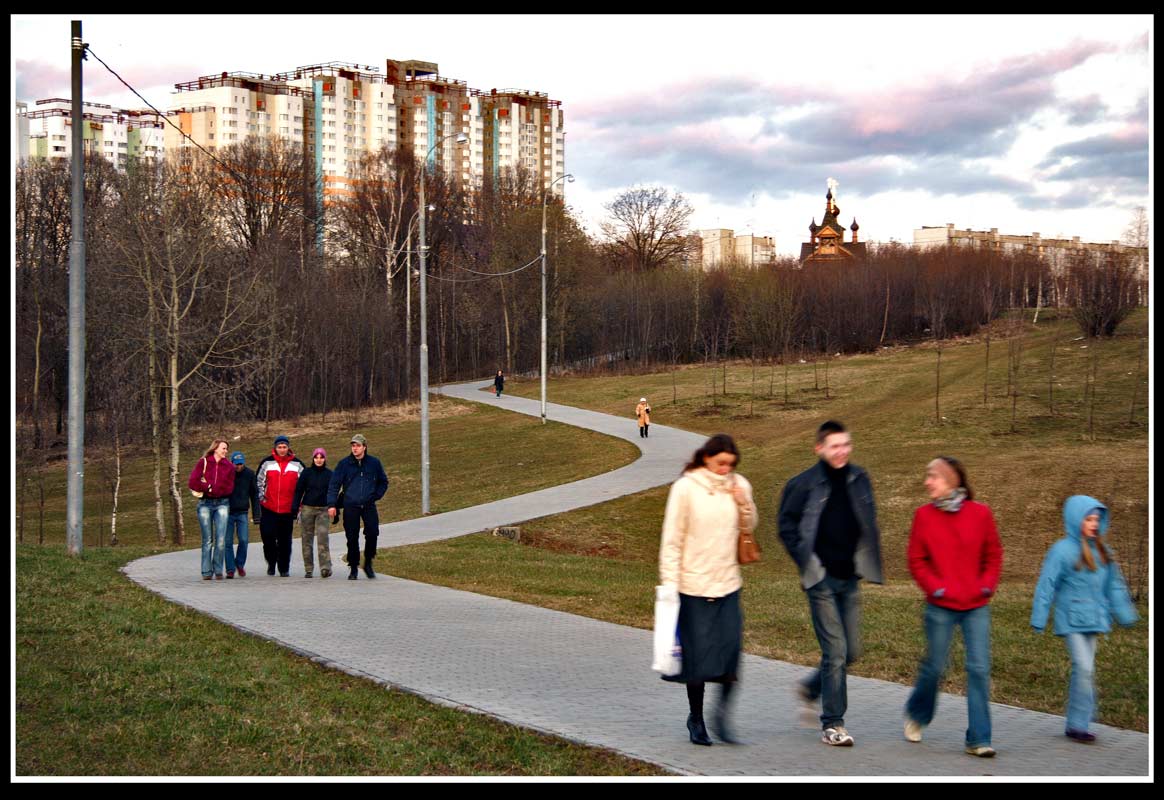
point(1082, 580)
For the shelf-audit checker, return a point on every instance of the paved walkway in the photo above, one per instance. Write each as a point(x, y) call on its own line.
point(589, 681)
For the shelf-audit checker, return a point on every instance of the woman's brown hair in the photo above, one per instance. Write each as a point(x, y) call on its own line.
point(720, 443)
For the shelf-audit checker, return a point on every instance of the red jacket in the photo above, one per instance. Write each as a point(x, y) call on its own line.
point(959, 552)
point(276, 478)
point(215, 479)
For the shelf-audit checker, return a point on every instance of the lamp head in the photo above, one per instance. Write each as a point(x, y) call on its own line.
point(461, 138)
point(569, 178)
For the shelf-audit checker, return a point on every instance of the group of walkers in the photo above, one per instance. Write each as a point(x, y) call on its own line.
point(278, 492)
point(828, 524)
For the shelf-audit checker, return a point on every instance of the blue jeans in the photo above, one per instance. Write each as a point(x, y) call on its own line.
point(1081, 694)
point(236, 522)
point(835, 604)
point(923, 700)
point(212, 516)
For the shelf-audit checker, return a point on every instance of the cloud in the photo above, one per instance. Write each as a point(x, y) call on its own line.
point(36, 80)
point(728, 138)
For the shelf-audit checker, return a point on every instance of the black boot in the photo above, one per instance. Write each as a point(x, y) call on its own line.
point(720, 723)
point(368, 568)
point(354, 574)
point(698, 731)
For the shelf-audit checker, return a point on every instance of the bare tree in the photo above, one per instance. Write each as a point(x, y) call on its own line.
point(648, 226)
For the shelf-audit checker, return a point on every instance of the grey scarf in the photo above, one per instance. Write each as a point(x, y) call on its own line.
point(953, 501)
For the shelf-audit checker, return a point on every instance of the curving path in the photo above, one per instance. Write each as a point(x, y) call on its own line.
point(589, 681)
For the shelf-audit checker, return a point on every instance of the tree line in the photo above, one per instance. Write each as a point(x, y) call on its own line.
point(221, 291)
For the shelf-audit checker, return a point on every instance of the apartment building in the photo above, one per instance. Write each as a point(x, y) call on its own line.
point(116, 134)
point(1057, 252)
point(21, 131)
point(339, 111)
point(722, 246)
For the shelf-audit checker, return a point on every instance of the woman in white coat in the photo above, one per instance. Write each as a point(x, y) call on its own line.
point(698, 560)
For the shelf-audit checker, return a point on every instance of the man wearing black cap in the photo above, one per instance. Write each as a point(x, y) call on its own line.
point(362, 480)
point(277, 475)
point(246, 493)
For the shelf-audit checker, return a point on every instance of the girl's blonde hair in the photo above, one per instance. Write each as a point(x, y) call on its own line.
point(1086, 559)
point(214, 446)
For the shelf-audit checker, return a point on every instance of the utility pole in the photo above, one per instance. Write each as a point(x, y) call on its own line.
point(76, 482)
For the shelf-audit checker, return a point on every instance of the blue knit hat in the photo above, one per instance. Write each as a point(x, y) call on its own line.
point(237, 457)
point(282, 438)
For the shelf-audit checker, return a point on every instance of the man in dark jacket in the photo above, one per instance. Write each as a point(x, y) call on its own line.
point(362, 480)
point(828, 524)
point(246, 492)
point(309, 506)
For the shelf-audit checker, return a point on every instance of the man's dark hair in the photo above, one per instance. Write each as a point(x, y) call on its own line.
point(827, 429)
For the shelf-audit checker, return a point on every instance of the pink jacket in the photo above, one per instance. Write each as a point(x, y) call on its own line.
point(214, 478)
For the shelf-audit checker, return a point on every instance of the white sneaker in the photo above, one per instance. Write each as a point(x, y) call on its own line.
point(982, 751)
point(837, 737)
point(913, 730)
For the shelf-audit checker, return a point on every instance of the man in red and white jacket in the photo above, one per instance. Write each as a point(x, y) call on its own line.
point(277, 475)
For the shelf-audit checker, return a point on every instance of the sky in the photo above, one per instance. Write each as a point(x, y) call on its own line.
point(1021, 123)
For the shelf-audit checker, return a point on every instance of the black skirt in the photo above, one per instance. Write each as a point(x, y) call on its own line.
point(711, 633)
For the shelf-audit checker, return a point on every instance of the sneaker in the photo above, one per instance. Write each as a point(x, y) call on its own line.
point(1084, 737)
point(218, 577)
point(306, 574)
point(837, 737)
point(284, 574)
point(325, 573)
point(242, 573)
point(913, 730)
point(230, 576)
point(271, 570)
point(981, 750)
point(354, 574)
point(206, 577)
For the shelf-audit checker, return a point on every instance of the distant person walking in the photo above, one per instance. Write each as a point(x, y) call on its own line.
point(213, 478)
point(246, 493)
point(828, 524)
point(361, 479)
point(499, 382)
point(955, 556)
point(1081, 578)
point(277, 476)
point(309, 506)
point(643, 413)
point(698, 561)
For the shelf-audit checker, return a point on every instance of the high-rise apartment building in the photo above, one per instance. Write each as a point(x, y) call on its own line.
point(340, 111)
point(116, 134)
point(721, 246)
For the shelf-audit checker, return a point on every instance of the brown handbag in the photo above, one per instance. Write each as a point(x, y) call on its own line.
point(748, 549)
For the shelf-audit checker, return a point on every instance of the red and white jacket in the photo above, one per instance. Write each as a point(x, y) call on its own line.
point(276, 478)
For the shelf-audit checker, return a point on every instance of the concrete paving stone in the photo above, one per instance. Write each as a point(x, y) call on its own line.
point(589, 681)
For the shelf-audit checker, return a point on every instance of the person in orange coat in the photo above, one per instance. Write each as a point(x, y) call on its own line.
point(643, 413)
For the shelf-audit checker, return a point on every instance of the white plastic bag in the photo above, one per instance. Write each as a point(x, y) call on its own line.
point(668, 653)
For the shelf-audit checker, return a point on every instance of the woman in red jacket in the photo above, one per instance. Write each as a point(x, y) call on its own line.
point(213, 478)
point(955, 556)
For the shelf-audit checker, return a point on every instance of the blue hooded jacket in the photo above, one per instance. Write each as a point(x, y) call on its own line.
point(1084, 601)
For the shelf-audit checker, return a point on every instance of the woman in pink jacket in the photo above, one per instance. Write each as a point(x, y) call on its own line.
point(213, 477)
point(955, 556)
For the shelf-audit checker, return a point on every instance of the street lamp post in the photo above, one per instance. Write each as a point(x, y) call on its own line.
point(424, 505)
point(408, 299)
point(545, 196)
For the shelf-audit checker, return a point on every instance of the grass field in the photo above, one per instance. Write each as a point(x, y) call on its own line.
point(601, 561)
point(113, 680)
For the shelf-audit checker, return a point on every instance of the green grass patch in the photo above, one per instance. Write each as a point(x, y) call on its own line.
point(601, 561)
point(113, 680)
